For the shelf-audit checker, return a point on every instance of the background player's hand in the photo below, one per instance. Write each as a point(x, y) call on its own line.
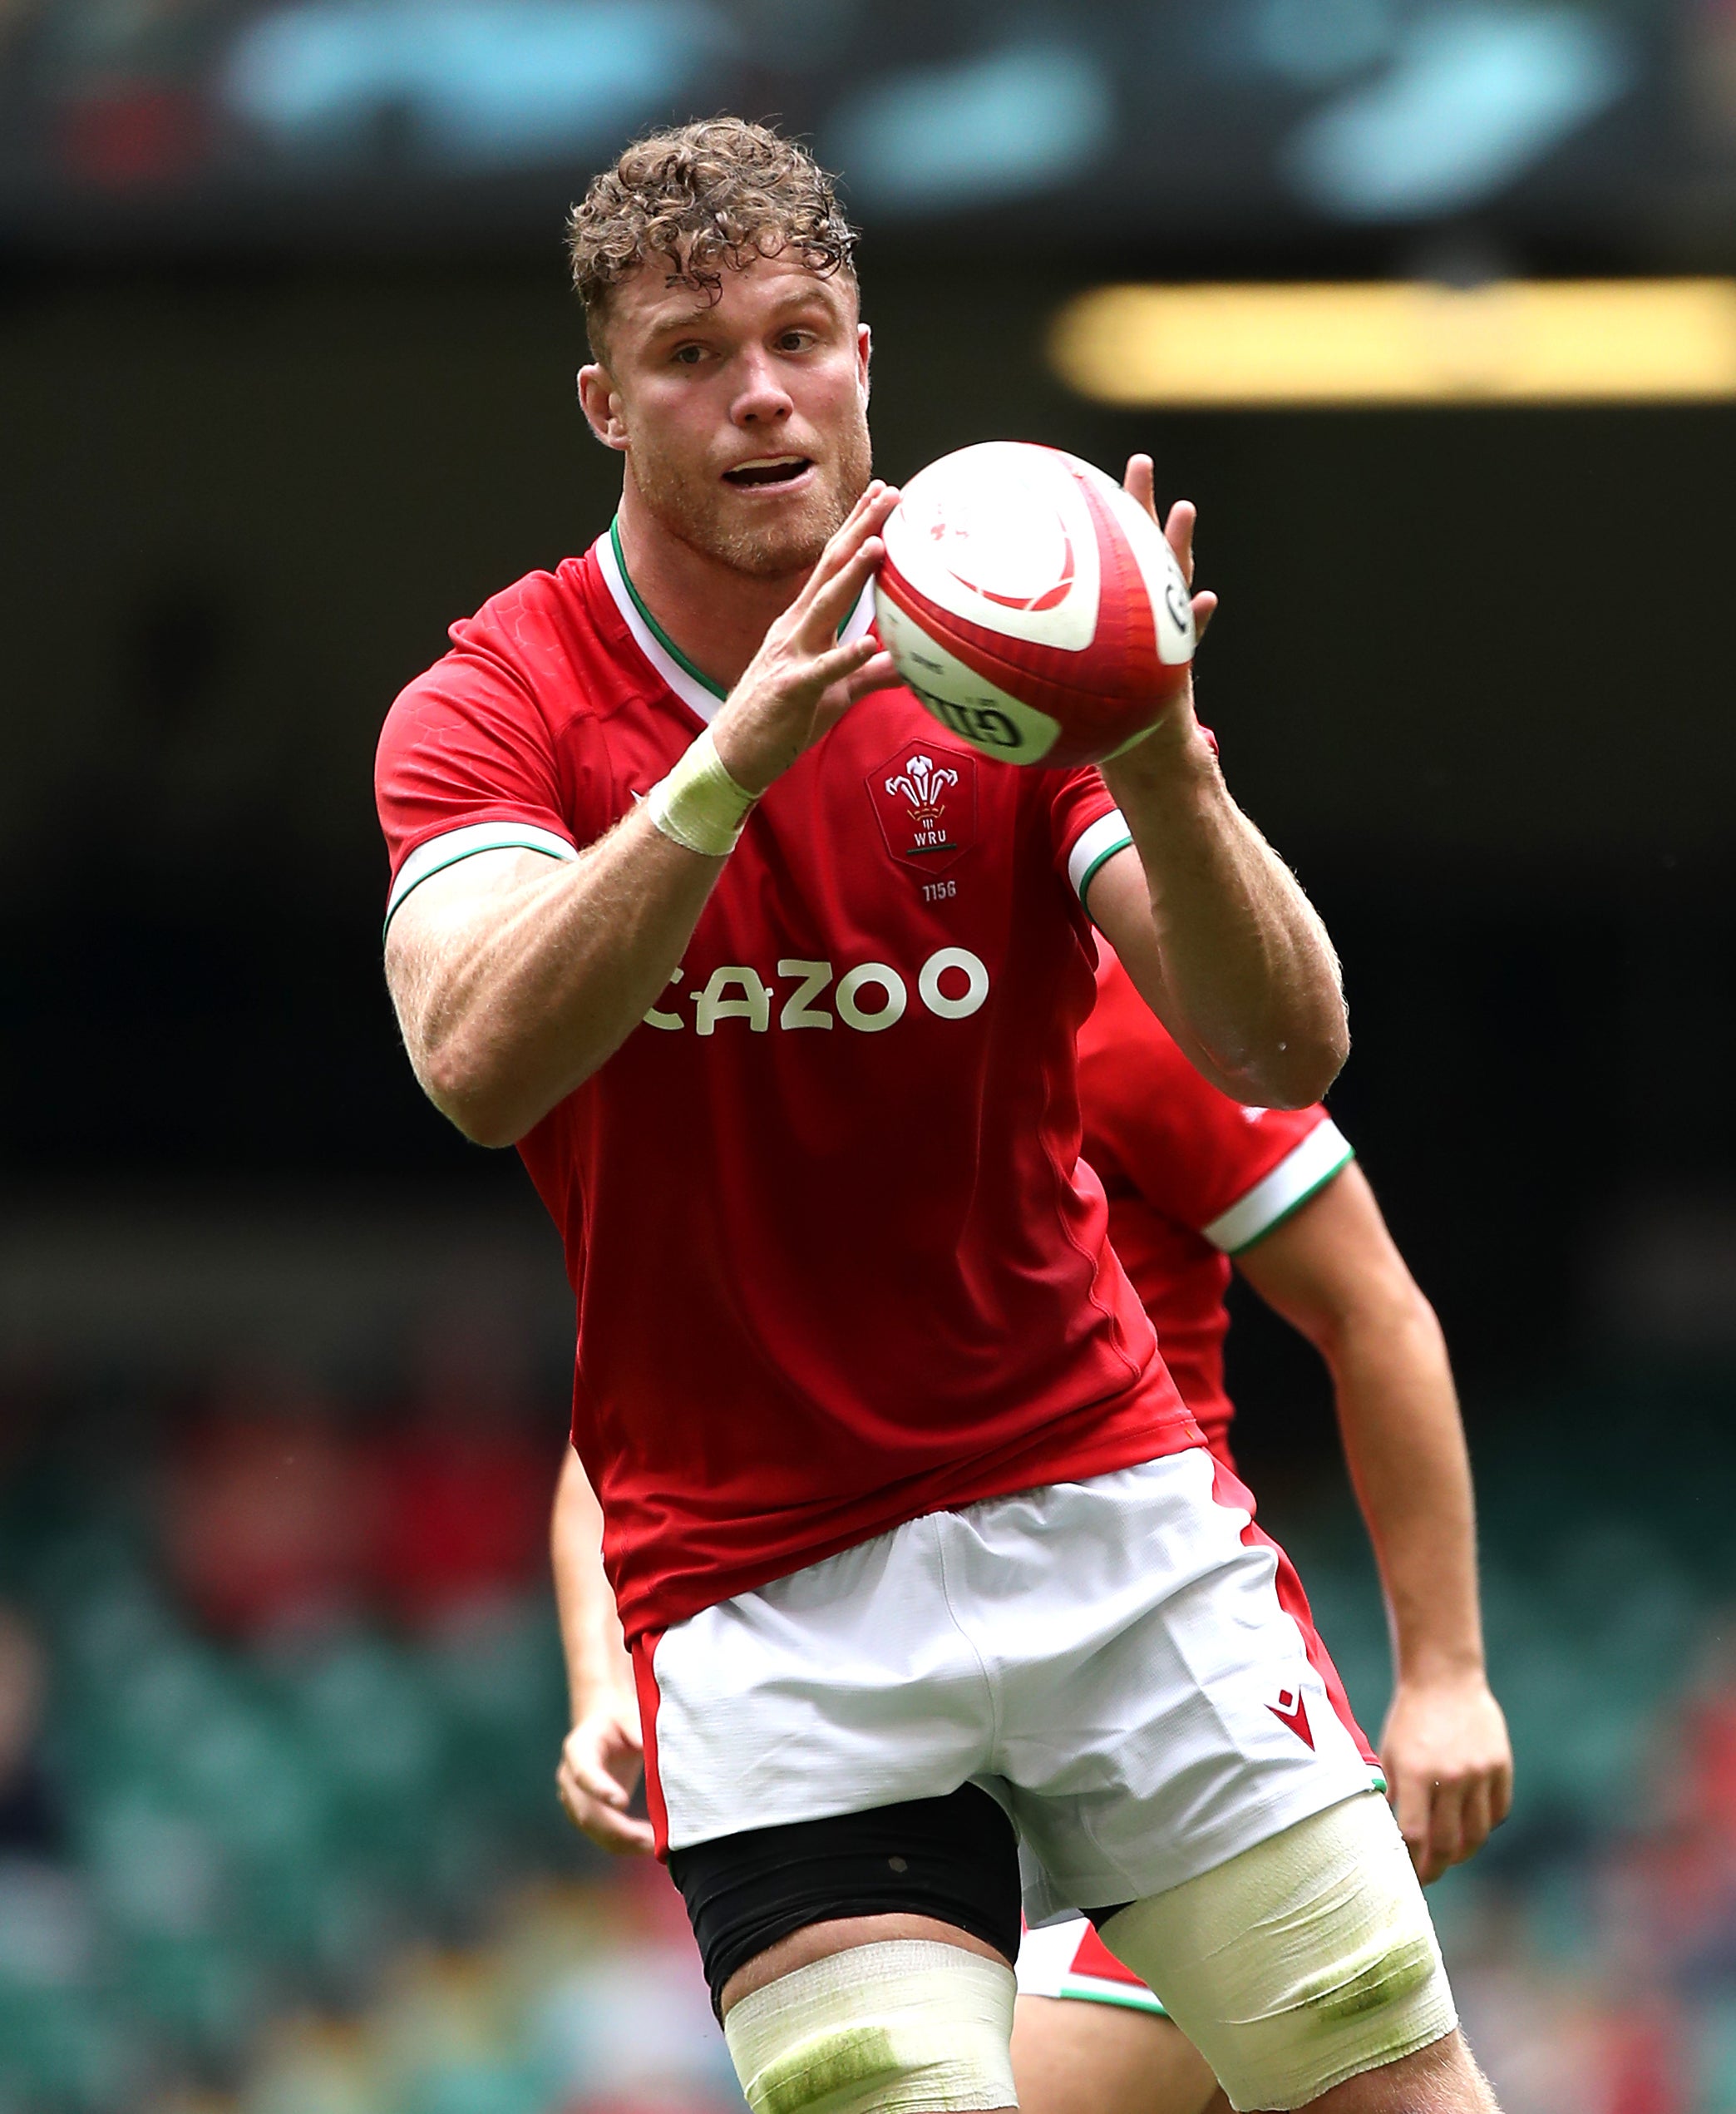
point(601, 1760)
point(801, 682)
point(1449, 1768)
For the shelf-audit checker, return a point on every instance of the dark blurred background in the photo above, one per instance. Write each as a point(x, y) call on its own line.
point(286, 386)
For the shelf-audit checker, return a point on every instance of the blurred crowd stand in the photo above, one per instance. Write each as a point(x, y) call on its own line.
point(281, 1697)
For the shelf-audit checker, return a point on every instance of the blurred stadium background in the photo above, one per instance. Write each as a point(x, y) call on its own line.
point(285, 362)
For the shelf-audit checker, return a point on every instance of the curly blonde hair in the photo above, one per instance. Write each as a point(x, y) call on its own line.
point(705, 195)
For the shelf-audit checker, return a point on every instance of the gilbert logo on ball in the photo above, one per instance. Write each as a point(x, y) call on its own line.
point(1031, 605)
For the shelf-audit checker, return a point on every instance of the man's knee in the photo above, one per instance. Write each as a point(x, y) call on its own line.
point(1306, 1961)
point(907, 2027)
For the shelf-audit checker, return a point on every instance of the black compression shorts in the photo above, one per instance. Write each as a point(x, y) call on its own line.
point(954, 1858)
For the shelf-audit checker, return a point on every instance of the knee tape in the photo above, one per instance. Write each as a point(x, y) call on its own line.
point(909, 2027)
point(1304, 1961)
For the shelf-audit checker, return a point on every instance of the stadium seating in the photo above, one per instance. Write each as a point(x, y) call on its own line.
point(323, 1871)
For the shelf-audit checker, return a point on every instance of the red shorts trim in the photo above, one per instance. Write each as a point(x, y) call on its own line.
point(644, 1680)
point(1228, 1489)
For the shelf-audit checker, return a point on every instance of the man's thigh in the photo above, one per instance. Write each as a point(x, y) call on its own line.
point(1304, 1966)
point(1073, 2057)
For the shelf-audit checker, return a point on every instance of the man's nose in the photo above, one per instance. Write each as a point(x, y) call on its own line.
point(761, 400)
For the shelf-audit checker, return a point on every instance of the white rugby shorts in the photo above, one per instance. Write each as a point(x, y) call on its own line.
point(1125, 1663)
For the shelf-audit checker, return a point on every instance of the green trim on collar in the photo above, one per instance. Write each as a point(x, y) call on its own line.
point(652, 625)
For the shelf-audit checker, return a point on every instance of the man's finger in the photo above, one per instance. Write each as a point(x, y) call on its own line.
point(1411, 1801)
point(1140, 483)
point(1501, 1794)
point(598, 1782)
point(1475, 1820)
point(619, 1832)
point(1178, 532)
point(840, 546)
point(843, 662)
point(1204, 605)
point(1447, 1828)
point(880, 673)
point(832, 603)
point(866, 518)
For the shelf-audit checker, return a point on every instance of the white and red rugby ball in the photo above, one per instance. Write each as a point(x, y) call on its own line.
point(1031, 605)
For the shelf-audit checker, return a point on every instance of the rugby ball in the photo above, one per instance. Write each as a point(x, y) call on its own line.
point(1031, 605)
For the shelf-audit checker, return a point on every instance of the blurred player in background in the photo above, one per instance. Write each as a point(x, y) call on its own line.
point(1192, 1178)
point(917, 1549)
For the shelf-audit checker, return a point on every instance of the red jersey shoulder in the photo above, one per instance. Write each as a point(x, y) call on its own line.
point(1154, 1128)
point(507, 727)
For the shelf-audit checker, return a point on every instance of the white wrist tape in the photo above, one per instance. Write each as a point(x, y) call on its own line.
point(698, 804)
point(1304, 1961)
point(908, 2027)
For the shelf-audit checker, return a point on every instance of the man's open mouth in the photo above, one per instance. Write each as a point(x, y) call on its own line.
point(772, 470)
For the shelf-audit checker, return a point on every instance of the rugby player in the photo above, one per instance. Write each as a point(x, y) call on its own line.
point(922, 1561)
point(1191, 1179)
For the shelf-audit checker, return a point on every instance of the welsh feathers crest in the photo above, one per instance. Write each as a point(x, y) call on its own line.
point(922, 781)
point(924, 800)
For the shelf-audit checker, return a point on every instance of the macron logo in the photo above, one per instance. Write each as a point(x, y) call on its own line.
point(1290, 1710)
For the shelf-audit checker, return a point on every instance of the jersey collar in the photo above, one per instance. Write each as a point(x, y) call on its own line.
point(697, 691)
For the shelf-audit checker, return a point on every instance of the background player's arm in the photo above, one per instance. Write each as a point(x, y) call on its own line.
point(1213, 927)
point(602, 1755)
point(515, 977)
point(1334, 1273)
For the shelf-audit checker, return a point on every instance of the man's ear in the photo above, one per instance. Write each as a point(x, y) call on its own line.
point(864, 355)
point(602, 406)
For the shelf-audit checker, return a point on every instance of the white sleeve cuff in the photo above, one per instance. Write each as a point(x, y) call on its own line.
point(441, 851)
point(1307, 1168)
point(1101, 841)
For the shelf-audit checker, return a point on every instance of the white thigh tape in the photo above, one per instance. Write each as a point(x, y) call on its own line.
point(1304, 1961)
point(698, 804)
point(909, 2027)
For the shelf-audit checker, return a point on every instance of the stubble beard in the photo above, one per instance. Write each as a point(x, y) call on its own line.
point(771, 550)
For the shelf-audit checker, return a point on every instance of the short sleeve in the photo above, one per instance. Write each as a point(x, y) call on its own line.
point(1153, 1126)
point(1085, 825)
point(1089, 829)
point(465, 763)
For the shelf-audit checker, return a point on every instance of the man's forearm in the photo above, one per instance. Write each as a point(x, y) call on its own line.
point(597, 1664)
point(1405, 1447)
point(1247, 979)
point(508, 1005)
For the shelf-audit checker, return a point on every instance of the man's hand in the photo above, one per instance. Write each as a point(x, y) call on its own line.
point(1178, 532)
point(801, 682)
point(1178, 727)
point(601, 1760)
point(1449, 1768)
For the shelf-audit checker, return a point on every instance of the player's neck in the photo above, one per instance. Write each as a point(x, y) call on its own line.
point(716, 616)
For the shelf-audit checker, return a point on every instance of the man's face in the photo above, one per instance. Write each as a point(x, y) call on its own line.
point(744, 420)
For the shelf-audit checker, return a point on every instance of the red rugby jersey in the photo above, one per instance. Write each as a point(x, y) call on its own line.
point(1191, 1177)
point(835, 1260)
